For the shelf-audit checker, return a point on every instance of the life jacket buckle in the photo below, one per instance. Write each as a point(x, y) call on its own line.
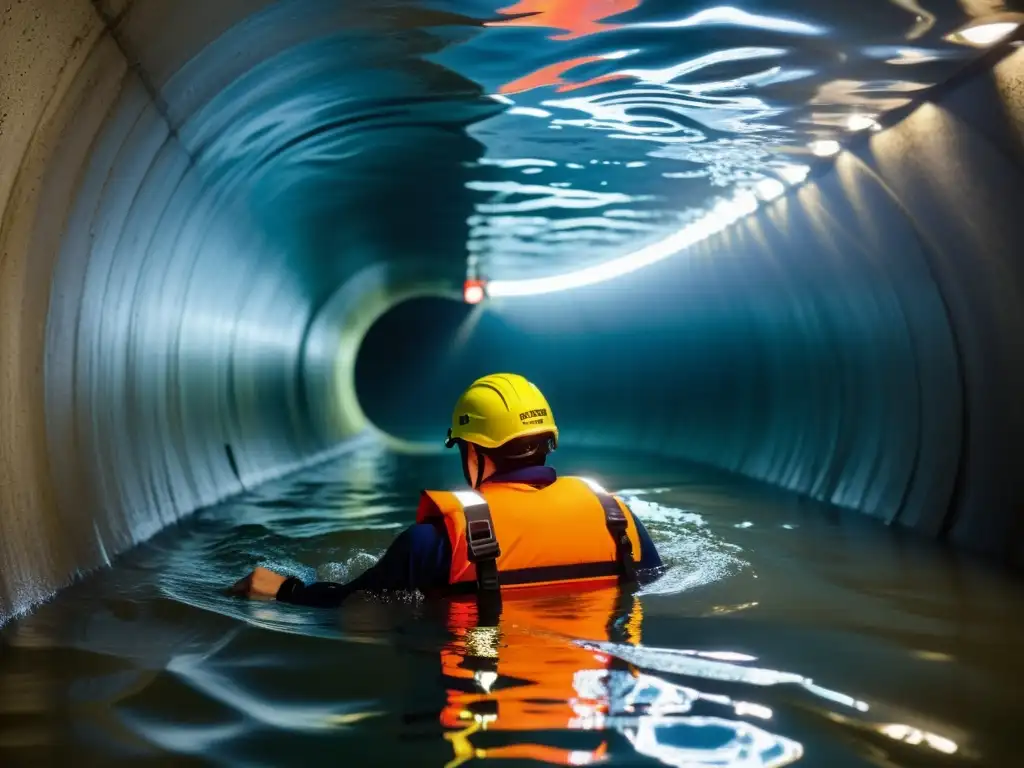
point(615, 520)
point(481, 542)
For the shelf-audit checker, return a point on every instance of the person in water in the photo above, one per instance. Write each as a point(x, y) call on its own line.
point(520, 525)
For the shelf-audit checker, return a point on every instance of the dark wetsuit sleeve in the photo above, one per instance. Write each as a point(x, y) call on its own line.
point(323, 594)
point(649, 557)
point(420, 558)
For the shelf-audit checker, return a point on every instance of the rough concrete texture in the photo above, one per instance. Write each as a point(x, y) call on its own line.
point(58, 70)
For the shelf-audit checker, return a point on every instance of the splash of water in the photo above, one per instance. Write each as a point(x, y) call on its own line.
point(692, 554)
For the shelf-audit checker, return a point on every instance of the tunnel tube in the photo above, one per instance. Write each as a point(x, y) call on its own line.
point(339, 332)
point(856, 342)
point(175, 288)
point(170, 245)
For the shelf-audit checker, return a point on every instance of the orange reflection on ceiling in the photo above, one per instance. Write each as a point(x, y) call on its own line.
point(578, 18)
point(551, 76)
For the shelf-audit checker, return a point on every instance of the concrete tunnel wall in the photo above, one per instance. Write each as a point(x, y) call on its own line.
point(859, 341)
point(140, 337)
point(169, 246)
point(166, 290)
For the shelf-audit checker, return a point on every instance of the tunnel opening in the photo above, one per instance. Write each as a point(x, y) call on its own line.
point(417, 358)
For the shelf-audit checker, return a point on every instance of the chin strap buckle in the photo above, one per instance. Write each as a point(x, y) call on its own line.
point(618, 527)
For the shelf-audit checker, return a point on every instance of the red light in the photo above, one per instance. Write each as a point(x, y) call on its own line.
point(473, 291)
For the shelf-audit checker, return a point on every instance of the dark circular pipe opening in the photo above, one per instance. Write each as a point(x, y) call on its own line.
point(407, 370)
point(421, 354)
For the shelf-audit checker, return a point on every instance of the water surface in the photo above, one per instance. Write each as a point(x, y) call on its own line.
point(527, 139)
point(783, 632)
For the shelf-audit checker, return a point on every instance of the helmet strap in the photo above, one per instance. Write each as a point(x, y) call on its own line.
point(464, 455)
point(479, 468)
point(464, 449)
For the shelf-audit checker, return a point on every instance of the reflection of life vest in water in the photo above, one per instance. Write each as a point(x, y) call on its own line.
point(527, 671)
point(577, 17)
point(564, 533)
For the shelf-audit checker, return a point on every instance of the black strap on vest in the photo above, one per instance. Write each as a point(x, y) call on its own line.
point(483, 550)
point(481, 544)
point(618, 527)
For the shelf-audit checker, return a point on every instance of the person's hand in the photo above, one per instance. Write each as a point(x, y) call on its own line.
point(260, 583)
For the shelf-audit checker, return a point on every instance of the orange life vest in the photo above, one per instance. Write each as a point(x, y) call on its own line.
point(569, 532)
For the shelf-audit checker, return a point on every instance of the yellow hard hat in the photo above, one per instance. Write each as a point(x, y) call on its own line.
point(499, 408)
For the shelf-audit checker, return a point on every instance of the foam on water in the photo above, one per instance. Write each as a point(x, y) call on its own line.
point(693, 555)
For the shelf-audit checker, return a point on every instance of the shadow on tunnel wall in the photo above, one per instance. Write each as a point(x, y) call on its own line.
point(858, 342)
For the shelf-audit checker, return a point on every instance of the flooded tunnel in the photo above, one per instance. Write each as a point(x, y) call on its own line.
point(781, 242)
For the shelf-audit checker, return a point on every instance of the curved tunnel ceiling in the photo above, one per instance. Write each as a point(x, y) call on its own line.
point(628, 120)
point(205, 206)
point(561, 132)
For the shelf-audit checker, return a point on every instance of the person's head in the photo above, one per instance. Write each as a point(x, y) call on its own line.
point(501, 423)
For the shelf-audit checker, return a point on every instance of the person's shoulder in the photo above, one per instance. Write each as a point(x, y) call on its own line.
point(429, 556)
point(423, 535)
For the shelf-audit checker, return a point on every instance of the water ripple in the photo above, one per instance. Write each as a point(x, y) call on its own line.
point(756, 88)
point(693, 555)
point(159, 664)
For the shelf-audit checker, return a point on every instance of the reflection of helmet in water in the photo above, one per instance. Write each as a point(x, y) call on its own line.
point(498, 409)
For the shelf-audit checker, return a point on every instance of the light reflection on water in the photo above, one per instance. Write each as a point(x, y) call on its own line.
point(711, 99)
point(580, 685)
point(765, 644)
point(541, 113)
